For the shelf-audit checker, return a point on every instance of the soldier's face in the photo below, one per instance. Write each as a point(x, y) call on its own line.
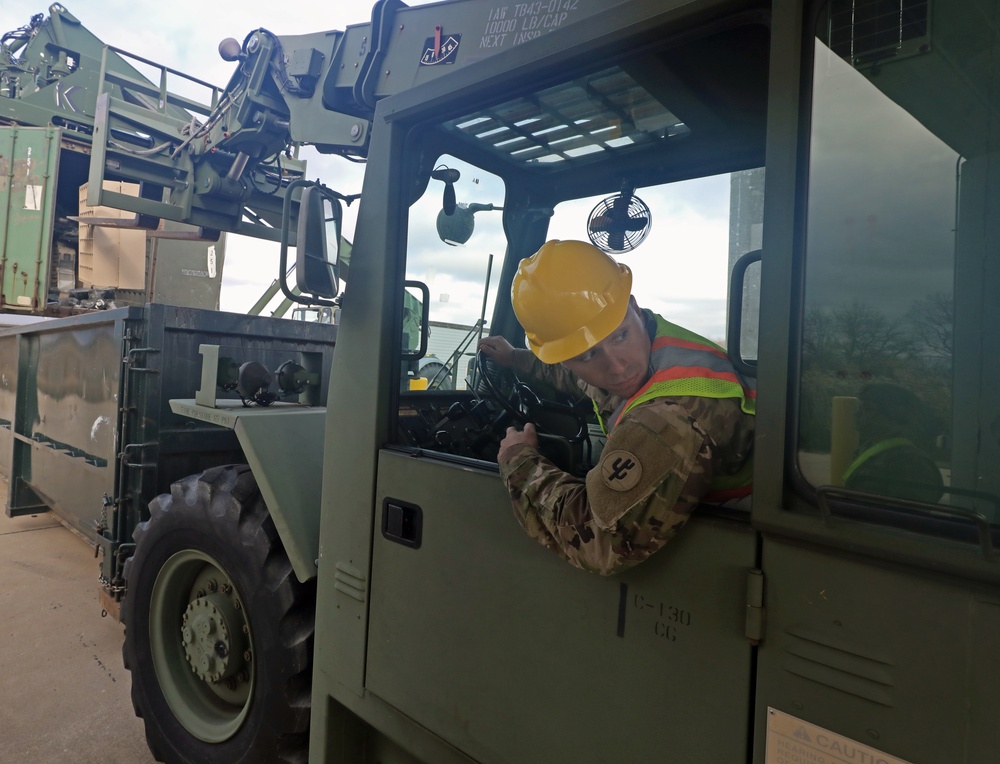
point(620, 362)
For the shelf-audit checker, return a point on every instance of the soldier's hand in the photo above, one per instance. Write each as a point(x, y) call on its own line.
point(497, 349)
point(515, 437)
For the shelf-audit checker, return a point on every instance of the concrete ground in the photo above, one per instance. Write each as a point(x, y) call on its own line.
point(64, 695)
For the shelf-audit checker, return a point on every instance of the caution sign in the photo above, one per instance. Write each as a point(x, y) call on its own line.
point(793, 741)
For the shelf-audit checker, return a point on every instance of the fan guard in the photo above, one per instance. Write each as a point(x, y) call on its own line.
point(619, 223)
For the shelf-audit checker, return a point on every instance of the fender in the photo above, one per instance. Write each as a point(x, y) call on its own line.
point(283, 444)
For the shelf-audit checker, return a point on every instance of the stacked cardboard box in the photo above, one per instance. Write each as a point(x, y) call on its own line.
point(111, 257)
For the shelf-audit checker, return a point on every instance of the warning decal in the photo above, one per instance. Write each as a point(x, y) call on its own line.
point(793, 741)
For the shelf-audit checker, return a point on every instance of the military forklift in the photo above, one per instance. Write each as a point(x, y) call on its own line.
point(358, 590)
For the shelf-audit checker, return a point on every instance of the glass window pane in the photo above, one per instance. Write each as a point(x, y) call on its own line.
point(681, 270)
point(458, 257)
point(899, 313)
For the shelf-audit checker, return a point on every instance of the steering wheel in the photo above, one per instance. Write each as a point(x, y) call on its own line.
point(520, 402)
point(501, 385)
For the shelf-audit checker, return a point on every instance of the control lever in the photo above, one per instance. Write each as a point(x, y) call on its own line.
point(455, 412)
point(442, 436)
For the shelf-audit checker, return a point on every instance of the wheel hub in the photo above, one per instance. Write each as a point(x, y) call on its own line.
point(210, 629)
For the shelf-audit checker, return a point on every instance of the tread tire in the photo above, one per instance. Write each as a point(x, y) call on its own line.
point(220, 516)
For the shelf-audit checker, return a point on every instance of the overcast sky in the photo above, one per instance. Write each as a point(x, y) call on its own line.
point(680, 269)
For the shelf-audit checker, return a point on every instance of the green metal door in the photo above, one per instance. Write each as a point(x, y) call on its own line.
point(29, 171)
point(512, 655)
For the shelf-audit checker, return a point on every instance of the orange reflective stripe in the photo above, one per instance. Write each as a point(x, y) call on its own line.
point(685, 363)
point(675, 342)
point(687, 372)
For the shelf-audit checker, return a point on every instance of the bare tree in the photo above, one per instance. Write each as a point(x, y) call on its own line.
point(933, 320)
point(866, 335)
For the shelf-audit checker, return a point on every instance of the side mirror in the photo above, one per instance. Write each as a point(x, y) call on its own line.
point(317, 240)
point(317, 244)
point(416, 320)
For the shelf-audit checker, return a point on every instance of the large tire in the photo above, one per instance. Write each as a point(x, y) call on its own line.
point(218, 631)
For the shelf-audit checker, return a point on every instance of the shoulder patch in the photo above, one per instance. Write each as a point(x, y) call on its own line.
point(651, 444)
point(621, 470)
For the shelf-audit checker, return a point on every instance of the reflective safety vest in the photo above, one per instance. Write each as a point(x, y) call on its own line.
point(881, 447)
point(684, 363)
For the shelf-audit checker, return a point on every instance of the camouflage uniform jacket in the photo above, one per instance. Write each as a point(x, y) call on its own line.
point(659, 461)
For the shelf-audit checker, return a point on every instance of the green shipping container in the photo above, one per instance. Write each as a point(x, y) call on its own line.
point(42, 170)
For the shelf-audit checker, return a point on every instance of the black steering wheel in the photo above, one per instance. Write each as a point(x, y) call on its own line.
point(501, 385)
point(522, 404)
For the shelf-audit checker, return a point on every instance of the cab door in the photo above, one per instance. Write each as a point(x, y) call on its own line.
point(879, 515)
point(476, 632)
point(511, 655)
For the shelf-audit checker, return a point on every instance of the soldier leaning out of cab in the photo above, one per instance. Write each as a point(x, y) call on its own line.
point(678, 416)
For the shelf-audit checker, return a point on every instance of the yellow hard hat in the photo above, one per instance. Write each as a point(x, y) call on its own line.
point(569, 296)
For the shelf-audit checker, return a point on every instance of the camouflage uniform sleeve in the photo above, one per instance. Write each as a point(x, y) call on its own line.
point(656, 465)
point(526, 362)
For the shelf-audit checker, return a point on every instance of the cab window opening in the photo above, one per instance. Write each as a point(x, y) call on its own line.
point(646, 129)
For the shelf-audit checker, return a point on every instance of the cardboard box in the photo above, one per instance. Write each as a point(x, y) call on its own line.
point(111, 257)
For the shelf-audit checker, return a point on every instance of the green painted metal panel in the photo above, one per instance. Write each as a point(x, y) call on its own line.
point(29, 167)
point(287, 459)
point(899, 659)
point(66, 421)
point(186, 273)
point(480, 632)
